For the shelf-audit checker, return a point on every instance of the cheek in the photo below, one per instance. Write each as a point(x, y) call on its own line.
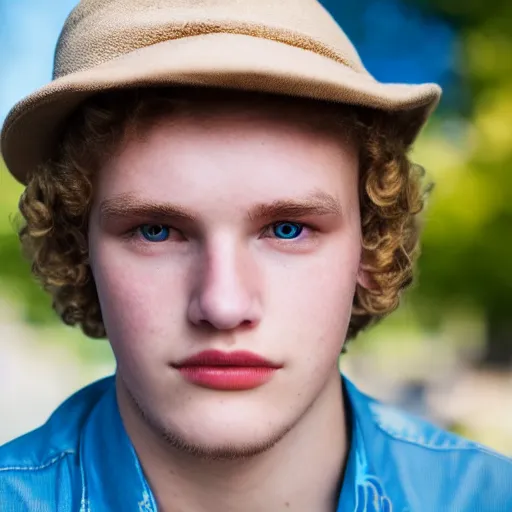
point(140, 297)
point(311, 299)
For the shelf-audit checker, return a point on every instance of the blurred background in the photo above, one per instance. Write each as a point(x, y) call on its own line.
point(447, 353)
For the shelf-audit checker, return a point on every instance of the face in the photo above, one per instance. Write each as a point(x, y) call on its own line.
point(227, 230)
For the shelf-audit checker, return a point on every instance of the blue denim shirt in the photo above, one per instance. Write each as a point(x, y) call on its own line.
point(82, 460)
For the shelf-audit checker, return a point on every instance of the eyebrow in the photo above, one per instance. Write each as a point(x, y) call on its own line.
point(127, 205)
point(314, 204)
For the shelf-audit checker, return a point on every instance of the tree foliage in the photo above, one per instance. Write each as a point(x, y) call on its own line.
point(468, 241)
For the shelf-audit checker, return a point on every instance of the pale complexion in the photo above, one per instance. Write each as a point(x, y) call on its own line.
point(214, 183)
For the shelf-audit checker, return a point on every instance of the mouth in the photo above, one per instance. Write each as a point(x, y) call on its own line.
point(227, 371)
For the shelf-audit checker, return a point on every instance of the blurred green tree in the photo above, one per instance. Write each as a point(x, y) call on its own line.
point(467, 247)
point(16, 282)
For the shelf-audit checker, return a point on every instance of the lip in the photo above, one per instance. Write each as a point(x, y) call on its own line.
point(227, 371)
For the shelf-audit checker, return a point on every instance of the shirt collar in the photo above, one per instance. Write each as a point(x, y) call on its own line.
point(362, 489)
point(112, 478)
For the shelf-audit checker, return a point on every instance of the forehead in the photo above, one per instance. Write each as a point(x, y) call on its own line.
point(243, 147)
point(203, 105)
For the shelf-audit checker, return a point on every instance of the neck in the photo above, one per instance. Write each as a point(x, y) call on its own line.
point(302, 472)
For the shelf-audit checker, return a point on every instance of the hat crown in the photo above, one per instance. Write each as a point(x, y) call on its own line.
point(98, 31)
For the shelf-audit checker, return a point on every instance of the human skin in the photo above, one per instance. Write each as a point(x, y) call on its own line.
point(225, 280)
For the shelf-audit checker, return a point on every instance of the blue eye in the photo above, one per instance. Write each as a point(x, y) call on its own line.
point(287, 230)
point(154, 232)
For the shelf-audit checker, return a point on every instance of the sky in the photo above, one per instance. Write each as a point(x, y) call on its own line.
point(397, 44)
point(28, 33)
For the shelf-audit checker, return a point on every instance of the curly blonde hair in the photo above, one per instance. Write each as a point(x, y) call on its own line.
point(56, 203)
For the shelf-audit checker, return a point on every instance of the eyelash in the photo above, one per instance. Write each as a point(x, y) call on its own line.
point(134, 233)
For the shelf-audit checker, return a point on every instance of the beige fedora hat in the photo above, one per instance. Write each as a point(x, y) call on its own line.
point(291, 47)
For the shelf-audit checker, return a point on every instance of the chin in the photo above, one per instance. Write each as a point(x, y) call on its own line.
point(223, 445)
point(222, 434)
point(227, 428)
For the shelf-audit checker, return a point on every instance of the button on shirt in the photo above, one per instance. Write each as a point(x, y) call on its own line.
point(82, 460)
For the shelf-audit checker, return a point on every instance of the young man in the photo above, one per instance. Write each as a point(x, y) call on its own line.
point(222, 190)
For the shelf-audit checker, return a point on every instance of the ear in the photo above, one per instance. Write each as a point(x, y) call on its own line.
point(365, 280)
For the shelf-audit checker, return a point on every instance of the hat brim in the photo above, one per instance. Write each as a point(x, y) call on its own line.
point(30, 132)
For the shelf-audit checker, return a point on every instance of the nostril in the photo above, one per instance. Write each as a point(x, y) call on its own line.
point(206, 325)
point(216, 308)
point(210, 326)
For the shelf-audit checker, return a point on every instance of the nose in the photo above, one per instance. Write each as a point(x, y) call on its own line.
point(226, 293)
